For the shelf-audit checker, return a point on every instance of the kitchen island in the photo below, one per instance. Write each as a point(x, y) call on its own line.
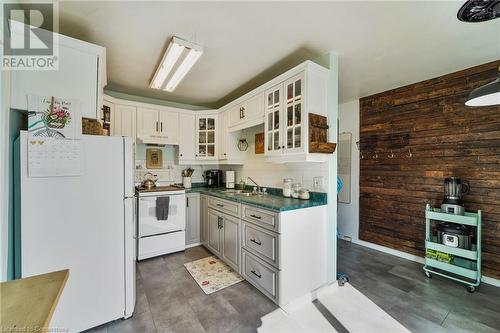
point(277, 244)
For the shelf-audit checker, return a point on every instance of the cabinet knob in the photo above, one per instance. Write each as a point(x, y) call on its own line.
point(283, 147)
point(181, 155)
point(224, 154)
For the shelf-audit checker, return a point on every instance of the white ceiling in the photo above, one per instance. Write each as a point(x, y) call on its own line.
point(381, 45)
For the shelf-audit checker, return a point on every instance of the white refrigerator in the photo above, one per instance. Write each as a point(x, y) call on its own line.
point(87, 224)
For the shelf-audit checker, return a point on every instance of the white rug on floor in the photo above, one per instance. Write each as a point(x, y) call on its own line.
point(212, 274)
point(356, 312)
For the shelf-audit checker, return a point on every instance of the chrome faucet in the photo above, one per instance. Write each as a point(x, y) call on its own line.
point(253, 181)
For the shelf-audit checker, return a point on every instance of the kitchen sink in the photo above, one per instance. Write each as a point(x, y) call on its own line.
point(242, 193)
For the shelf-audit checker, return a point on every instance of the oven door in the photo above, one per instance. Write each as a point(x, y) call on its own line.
point(149, 225)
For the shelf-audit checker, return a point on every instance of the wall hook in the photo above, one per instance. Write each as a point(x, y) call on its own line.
point(391, 155)
point(410, 154)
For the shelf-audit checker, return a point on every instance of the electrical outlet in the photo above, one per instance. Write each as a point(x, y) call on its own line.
point(318, 183)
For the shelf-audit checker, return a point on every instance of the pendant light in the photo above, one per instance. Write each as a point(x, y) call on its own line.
point(479, 10)
point(489, 94)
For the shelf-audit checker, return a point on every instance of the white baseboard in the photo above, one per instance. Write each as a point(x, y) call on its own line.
point(408, 256)
point(384, 249)
point(193, 245)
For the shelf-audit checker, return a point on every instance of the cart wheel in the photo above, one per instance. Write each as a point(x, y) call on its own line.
point(471, 289)
point(429, 276)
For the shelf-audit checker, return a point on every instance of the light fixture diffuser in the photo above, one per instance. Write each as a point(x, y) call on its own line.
point(486, 95)
point(179, 58)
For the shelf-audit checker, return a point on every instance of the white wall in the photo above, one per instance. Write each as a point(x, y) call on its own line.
point(272, 174)
point(171, 171)
point(348, 214)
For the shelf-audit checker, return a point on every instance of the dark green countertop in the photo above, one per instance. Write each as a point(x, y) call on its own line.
point(274, 202)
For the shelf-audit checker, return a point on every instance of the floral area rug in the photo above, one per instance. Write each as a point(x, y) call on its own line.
point(212, 274)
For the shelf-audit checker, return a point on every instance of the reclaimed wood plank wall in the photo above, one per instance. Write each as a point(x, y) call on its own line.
point(429, 121)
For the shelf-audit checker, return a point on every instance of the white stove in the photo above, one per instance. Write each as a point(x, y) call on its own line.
point(160, 233)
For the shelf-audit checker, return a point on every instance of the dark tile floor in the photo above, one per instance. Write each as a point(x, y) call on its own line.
point(422, 305)
point(169, 300)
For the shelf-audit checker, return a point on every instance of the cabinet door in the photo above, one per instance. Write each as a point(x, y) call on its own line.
point(253, 108)
point(293, 131)
point(192, 219)
point(203, 219)
point(169, 126)
point(214, 241)
point(187, 142)
point(206, 137)
point(222, 132)
point(273, 123)
point(147, 122)
point(235, 115)
point(77, 78)
point(124, 121)
point(230, 233)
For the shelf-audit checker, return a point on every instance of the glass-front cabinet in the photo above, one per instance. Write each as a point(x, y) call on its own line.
point(206, 127)
point(274, 105)
point(294, 131)
point(284, 130)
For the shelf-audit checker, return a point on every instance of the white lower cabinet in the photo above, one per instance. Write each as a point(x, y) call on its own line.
point(214, 237)
point(230, 235)
point(263, 276)
point(224, 237)
point(192, 219)
point(282, 254)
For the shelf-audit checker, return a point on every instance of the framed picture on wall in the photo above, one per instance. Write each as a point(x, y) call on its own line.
point(154, 158)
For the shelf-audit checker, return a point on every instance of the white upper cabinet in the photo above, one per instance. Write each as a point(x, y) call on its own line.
point(187, 139)
point(272, 126)
point(227, 142)
point(123, 121)
point(293, 114)
point(169, 126)
point(147, 122)
point(206, 137)
point(287, 108)
point(157, 126)
point(81, 77)
point(247, 113)
point(223, 122)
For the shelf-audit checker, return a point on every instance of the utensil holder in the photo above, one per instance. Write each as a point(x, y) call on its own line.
point(186, 182)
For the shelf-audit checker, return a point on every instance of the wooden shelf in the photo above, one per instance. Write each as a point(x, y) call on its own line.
point(318, 135)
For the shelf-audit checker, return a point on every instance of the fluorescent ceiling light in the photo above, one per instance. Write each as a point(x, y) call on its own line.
point(183, 69)
point(179, 59)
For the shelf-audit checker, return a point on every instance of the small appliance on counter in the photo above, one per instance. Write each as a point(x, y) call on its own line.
point(230, 179)
point(454, 188)
point(213, 178)
point(455, 235)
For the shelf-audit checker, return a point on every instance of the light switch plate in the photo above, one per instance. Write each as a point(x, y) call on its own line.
point(318, 183)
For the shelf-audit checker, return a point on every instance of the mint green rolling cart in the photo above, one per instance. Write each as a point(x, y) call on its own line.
point(461, 263)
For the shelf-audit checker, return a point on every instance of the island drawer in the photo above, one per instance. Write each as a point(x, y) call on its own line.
point(261, 242)
point(261, 217)
point(229, 207)
point(263, 276)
